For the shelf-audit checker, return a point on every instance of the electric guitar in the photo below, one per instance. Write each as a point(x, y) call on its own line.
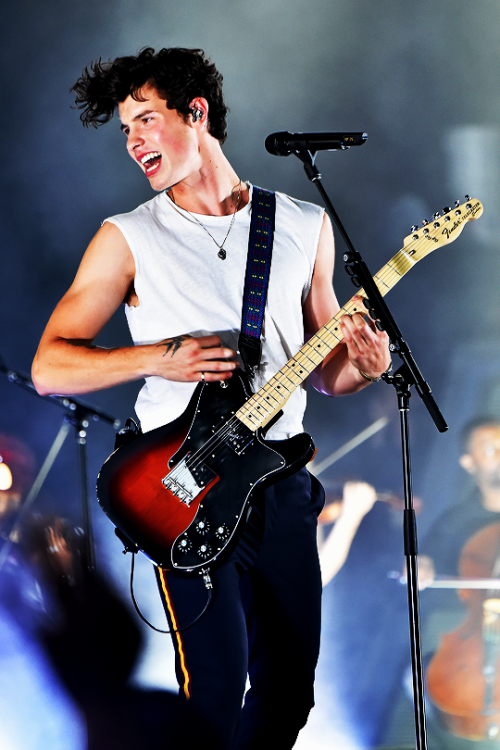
point(179, 493)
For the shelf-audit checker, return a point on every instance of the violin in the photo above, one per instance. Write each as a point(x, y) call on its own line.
point(463, 678)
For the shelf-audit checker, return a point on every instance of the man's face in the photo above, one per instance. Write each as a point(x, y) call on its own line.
point(483, 459)
point(159, 139)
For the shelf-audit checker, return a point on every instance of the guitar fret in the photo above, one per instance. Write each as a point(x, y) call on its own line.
point(319, 343)
point(334, 336)
point(313, 354)
point(248, 418)
point(260, 407)
point(381, 283)
point(401, 263)
point(294, 371)
point(284, 382)
point(306, 361)
point(263, 398)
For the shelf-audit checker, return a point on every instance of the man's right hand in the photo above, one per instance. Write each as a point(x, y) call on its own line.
point(190, 359)
point(68, 361)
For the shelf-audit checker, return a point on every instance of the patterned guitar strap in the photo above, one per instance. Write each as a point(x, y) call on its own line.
point(260, 248)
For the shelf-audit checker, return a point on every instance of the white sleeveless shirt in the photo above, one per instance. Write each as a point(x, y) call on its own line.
point(185, 288)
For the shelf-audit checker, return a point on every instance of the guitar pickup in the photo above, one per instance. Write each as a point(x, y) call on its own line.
point(239, 439)
point(186, 481)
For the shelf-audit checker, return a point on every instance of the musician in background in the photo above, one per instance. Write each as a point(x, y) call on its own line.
point(441, 548)
point(440, 555)
point(178, 263)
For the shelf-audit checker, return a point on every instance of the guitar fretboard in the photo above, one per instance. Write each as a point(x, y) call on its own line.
point(263, 405)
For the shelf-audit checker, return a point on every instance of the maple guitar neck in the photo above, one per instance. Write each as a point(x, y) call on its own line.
point(263, 405)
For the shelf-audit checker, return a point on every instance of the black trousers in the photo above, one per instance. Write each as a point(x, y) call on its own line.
point(264, 620)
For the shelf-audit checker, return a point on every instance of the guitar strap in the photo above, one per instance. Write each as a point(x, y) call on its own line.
point(260, 248)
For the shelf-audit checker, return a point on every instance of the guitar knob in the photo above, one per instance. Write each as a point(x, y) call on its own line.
point(222, 531)
point(436, 215)
point(413, 228)
point(446, 209)
point(184, 545)
point(425, 222)
point(204, 551)
point(202, 527)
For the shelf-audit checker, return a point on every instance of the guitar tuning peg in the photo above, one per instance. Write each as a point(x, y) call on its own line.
point(467, 197)
point(425, 222)
point(436, 215)
point(446, 209)
point(413, 228)
point(457, 203)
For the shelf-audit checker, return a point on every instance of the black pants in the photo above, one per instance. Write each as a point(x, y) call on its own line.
point(264, 619)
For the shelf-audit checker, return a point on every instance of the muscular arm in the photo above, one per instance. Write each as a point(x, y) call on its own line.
point(364, 347)
point(68, 362)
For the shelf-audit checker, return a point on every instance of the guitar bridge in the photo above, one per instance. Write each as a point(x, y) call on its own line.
point(186, 482)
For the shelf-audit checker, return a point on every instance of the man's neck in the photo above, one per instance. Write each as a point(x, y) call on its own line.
point(214, 190)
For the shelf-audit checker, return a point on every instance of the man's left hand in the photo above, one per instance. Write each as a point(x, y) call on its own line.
point(367, 347)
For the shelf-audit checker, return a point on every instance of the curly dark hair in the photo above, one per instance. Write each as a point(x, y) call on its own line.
point(178, 74)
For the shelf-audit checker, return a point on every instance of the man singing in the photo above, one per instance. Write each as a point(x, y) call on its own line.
point(178, 263)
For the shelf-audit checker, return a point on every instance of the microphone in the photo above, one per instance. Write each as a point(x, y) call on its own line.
point(284, 143)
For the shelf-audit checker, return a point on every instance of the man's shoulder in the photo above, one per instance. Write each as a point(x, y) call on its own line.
point(305, 207)
point(288, 201)
point(143, 211)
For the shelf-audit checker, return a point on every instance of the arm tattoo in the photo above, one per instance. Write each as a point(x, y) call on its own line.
point(173, 344)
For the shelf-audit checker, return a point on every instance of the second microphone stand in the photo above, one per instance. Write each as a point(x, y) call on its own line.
point(79, 415)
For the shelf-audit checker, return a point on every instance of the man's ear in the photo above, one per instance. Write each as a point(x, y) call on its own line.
point(199, 109)
point(467, 462)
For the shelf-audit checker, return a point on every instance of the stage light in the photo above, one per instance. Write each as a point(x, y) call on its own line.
point(5, 476)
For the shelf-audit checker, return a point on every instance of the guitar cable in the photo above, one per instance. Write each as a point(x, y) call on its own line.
point(207, 580)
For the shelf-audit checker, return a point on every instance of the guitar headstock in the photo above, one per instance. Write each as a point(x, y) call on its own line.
point(442, 229)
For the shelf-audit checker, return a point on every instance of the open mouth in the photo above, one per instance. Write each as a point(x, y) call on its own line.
point(151, 161)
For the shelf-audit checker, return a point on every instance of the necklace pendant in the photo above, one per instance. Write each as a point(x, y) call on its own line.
point(222, 254)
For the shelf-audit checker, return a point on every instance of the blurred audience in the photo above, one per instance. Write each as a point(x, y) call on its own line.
point(89, 634)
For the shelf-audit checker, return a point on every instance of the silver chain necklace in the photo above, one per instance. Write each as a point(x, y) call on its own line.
point(222, 253)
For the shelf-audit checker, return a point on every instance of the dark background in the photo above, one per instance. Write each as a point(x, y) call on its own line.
point(422, 80)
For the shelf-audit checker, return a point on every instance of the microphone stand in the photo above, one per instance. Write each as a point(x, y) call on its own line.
point(406, 376)
point(77, 414)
